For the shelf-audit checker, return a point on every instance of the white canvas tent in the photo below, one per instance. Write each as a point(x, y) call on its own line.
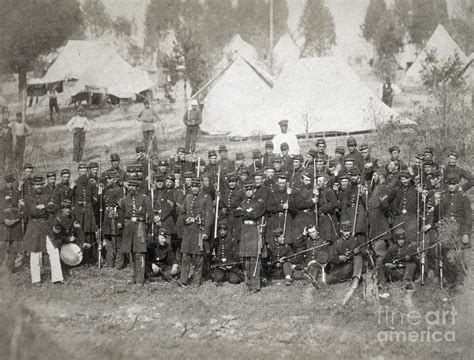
point(444, 46)
point(78, 58)
point(232, 95)
point(235, 48)
point(285, 52)
point(324, 95)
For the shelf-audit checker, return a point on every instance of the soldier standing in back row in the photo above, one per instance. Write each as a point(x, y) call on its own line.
point(78, 125)
point(192, 119)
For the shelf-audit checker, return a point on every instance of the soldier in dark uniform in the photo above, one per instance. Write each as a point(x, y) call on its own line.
point(310, 162)
point(227, 165)
point(243, 177)
point(279, 168)
point(370, 165)
point(428, 167)
point(379, 220)
point(279, 213)
point(353, 204)
point(163, 260)
point(142, 158)
point(230, 199)
point(287, 161)
point(135, 213)
point(261, 191)
point(327, 206)
point(278, 251)
point(269, 156)
point(404, 206)
point(316, 259)
point(227, 265)
point(339, 157)
point(11, 233)
point(212, 169)
point(39, 237)
point(466, 180)
point(115, 165)
point(387, 92)
point(303, 202)
point(395, 153)
point(93, 169)
point(166, 207)
point(393, 174)
point(66, 227)
point(50, 190)
point(84, 200)
point(256, 164)
point(239, 161)
point(270, 179)
point(400, 262)
point(63, 189)
point(352, 152)
point(111, 195)
point(25, 184)
point(198, 214)
point(429, 155)
point(321, 149)
point(296, 181)
point(251, 212)
point(345, 257)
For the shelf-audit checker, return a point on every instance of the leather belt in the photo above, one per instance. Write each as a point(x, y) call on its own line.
point(250, 222)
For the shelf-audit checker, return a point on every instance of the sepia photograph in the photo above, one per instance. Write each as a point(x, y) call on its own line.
point(236, 179)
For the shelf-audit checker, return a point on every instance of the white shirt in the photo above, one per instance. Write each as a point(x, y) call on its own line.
point(290, 139)
point(78, 122)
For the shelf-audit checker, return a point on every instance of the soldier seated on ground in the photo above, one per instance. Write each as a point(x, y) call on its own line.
point(278, 253)
point(163, 260)
point(345, 257)
point(400, 262)
point(227, 265)
point(316, 256)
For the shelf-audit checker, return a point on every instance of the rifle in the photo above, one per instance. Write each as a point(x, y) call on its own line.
point(302, 252)
point(198, 170)
point(213, 266)
point(152, 195)
point(101, 215)
point(315, 187)
point(423, 258)
point(356, 211)
point(261, 228)
point(380, 235)
point(217, 201)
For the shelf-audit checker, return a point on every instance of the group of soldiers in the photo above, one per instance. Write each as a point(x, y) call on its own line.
point(278, 217)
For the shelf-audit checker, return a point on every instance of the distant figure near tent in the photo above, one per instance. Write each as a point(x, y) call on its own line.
point(387, 92)
point(286, 137)
point(78, 125)
point(148, 117)
point(192, 119)
point(53, 103)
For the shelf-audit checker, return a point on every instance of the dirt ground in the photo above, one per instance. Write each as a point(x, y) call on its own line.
point(96, 315)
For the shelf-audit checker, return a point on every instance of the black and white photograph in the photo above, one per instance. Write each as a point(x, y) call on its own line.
point(236, 179)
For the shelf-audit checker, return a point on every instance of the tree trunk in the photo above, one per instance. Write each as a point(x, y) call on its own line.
point(21, 82)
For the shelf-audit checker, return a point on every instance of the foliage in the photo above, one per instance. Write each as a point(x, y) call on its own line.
point(30, 28)
point(96, 20)
point(375, 11)
point(121, 26)
point(317, 26)
point(426, 15)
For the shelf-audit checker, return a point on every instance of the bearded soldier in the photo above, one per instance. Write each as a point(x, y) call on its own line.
point(198, 213)
point(135, 213)
point(226, 258)
point(404, 206)
point(64, 190)
point(279, 213)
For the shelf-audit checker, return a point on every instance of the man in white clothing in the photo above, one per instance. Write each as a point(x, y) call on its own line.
point(286, 137)
point(78, 125)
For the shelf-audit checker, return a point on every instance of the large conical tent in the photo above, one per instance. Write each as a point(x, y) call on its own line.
point(321, 95)
point(285, 52)
point(444, 46)
point(232, 95)
point(237, 47)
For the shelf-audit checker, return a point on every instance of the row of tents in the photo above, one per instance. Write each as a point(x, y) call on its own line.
point(320, 95)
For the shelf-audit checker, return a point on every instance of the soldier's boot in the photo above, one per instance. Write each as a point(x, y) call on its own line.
point(139, 268)
point(109, 253)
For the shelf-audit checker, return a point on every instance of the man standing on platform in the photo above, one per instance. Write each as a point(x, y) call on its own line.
point(286, 137)
point(148, 118)
point(192, 119)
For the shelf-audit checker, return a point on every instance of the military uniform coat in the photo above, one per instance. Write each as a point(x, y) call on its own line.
point(135, 213)
point(9, 209)
point(276, 215)
point(199, 205)
point(251, 212)
point(38, 227)
point(457, 205)
point(111, 198)
point(67, 227)
point(84, 198)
